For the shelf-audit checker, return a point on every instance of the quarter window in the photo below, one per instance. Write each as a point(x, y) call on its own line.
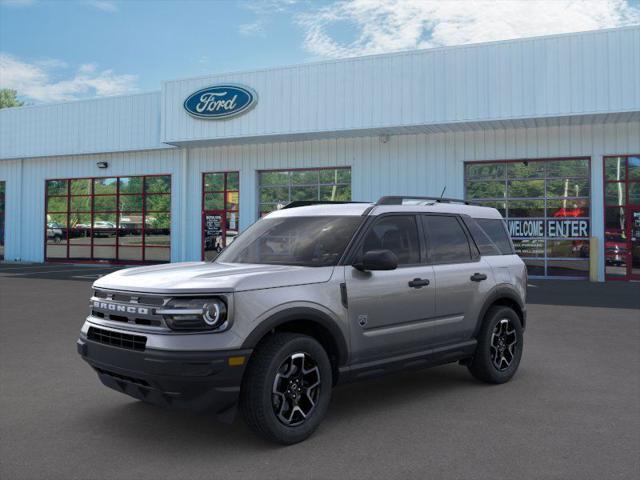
point(497, 233)
point(397, 233)
point(446, 239)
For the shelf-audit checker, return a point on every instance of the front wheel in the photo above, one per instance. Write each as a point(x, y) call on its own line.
point(499, 349)
point(287, 387)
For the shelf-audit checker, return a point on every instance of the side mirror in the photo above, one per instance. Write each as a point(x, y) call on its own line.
point(377, 260)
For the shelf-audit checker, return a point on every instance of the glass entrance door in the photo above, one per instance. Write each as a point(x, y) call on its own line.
point(634, 243)
point(220, 211)
point(622, 217)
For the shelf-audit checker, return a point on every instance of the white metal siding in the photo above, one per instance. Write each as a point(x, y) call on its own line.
point(90, 126)
point(419, 164)
point(416, 164)
point(547, 77)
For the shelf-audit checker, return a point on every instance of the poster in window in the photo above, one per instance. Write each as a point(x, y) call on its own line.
point(213, 235)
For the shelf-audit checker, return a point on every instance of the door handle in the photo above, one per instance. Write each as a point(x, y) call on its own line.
point(418, 283)
point(478, 277)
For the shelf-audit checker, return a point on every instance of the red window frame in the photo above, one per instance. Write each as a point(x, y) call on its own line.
point(225, 207)
point(92, 211)
point(627, 182)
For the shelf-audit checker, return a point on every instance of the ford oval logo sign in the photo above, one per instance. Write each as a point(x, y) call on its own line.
point(220, 101)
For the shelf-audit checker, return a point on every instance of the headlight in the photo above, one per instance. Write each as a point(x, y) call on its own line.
point(195, 314)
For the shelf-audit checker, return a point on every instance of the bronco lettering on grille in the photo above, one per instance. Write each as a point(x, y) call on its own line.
point(115, 307)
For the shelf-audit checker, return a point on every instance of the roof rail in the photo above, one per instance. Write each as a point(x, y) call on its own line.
point(398, 199)
point(306, 203)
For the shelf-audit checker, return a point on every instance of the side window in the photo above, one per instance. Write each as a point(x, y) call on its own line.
point(398, 233)
point(497, 232)
point(446, 239)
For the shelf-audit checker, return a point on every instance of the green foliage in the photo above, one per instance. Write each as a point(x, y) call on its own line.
point(8, 98)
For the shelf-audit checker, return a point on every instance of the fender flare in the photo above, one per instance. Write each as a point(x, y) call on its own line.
point(497, 293)
point(300, 313)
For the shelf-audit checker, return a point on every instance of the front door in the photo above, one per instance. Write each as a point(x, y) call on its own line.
point(220, 211)
point(634, 243)
point(389, 311)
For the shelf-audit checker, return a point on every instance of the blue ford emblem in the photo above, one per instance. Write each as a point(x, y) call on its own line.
point(220, 101)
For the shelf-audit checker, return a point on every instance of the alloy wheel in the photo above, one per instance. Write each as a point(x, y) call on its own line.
point(296, 389)
point(504, 342)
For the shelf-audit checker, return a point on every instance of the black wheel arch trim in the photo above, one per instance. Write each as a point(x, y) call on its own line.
point(498, 293)
point(306, 314)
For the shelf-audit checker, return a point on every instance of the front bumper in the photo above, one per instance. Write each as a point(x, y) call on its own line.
point(193, 380)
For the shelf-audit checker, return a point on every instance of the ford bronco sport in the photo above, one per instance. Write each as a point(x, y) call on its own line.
point(308, 297)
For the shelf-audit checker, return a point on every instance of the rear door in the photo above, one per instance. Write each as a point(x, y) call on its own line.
point(462, 278)
point(390, 311)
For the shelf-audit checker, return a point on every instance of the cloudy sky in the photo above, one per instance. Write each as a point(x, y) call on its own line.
point(57, 50)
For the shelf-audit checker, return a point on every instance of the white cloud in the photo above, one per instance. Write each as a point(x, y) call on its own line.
point(252, 29)
point(389, 25)
point(104, 5)
point(36, 81)
point(269, 6)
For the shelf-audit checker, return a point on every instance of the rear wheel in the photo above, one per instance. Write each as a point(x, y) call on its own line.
point(287, 387)
point(499, 349)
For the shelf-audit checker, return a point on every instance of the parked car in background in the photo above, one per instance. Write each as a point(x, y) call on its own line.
point(54, 232)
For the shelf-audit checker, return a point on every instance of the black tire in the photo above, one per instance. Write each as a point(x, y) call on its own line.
point(484, 366)
point(258, 402)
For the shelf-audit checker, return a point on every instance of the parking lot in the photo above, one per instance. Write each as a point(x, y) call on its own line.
point(571, 412)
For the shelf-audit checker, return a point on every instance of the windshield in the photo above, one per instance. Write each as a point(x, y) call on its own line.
point(303, 241)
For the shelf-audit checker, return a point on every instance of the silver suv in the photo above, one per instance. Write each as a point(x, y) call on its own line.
point(308, 297)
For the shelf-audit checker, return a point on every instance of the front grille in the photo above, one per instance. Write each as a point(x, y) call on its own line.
point(117, 339)
point(128, 308)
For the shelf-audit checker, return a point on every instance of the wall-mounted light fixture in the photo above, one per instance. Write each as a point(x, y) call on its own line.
point(102, 164)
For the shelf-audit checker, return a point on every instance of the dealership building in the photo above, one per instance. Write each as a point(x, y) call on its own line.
point(545, 129)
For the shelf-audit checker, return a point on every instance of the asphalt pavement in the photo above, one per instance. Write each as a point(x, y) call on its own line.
point(571, 412)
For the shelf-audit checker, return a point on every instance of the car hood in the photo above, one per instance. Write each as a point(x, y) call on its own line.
point(204, 277)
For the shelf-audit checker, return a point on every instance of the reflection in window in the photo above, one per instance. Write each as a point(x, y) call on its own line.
point(109, 219)
point(398, 234)
point(614, 193)
point(615, 168)
point(277, 188)
point(446, 239)
point(538, 192)
point(622, 198)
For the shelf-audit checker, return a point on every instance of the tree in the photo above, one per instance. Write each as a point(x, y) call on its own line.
point(8, 98)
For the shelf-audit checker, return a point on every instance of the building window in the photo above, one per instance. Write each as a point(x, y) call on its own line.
point(546, 204)
point(220, 211)
point(2, 210)
point(276, 188)
point(119, 219)
point(622, 217)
